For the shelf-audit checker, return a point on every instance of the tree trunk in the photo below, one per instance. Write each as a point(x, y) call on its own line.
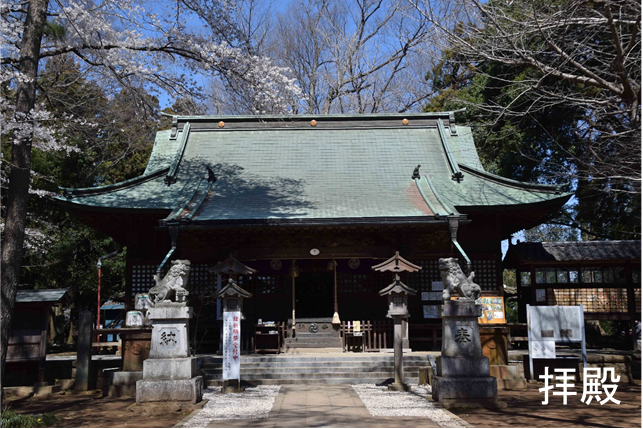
point(17, 196)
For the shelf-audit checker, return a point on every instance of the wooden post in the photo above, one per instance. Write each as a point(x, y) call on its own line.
point(336, 309)
point(43, 346)
point(292, 276)
point(84, 352)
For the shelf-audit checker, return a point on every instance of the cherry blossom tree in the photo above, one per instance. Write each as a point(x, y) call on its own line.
point(162, 46)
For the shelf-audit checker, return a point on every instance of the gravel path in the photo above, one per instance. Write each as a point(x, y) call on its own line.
point(381, 402)
point(254, 403)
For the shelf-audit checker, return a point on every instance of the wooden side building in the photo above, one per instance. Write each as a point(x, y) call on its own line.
point(603, 276)
point(293, 194)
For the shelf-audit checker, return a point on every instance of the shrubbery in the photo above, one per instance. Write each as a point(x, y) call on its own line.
point(11, 419)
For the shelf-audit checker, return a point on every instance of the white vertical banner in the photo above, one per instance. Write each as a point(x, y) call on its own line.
point(231, 343)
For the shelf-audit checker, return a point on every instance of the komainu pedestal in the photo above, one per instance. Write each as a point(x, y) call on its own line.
point(169, 374)
point(463, 378)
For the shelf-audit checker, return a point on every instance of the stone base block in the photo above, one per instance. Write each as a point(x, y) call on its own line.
point(169, 311)
point(232, 389)
point(121, 391)
point(121, 384)
point(42, 389)
point(509, 377)
point(461, 308)
point(169, 369)
point(190, 391)
point(460, 404)
point(399, 387)
point(464, 388)
point(124, 378)
point(154, 409)
point(462, 366)
point(66, 383)
point(512, 384)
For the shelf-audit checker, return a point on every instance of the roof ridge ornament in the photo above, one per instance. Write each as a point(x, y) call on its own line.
point(211, 176)
point(457, 176)
point(396, 264)
point(174, 168)
point(416, 173)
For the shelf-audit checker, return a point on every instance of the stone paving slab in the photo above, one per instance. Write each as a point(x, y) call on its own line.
point(322, 406)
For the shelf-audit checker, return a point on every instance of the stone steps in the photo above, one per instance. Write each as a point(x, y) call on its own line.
point(284, 369)
point(379, 375)
point(309, 370)
point(316, 342)
point(312, 350)
point(357, 358)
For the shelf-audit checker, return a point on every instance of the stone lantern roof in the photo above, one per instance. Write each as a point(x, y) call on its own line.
point(233, 289)
point(396, 264)
point(397, 287)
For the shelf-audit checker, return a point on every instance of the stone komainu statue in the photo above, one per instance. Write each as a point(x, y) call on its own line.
point(454, 279)
point(171, 288)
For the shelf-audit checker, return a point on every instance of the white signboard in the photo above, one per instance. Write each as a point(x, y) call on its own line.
point(543, 349)
point(548, 325)
point(556, 323)
point(437, 286)
point(231, 345)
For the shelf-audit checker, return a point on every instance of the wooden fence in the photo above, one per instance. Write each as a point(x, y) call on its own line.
point(378, 334)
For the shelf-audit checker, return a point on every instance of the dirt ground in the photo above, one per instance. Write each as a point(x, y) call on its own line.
point(524, 409)
point(94, 411)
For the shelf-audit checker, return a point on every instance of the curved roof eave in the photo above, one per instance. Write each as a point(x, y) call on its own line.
point(537, 187)
point(97, 190)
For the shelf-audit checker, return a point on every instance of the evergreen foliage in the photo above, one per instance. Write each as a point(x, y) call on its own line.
point(538, 118)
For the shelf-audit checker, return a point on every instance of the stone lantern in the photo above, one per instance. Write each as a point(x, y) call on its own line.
point(398, 307)
point(398, 301)
point(232, 296)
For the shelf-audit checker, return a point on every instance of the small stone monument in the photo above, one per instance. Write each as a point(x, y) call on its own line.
point(232, 296)
point(462, 379)
point(169, 374)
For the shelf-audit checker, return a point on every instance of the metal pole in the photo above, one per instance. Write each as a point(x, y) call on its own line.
point(98, 307)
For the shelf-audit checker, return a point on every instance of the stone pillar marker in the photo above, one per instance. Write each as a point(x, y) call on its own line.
point(232, 268)
point(232, 296)
point(398, 294)
point(169, 374)
point(463, 379)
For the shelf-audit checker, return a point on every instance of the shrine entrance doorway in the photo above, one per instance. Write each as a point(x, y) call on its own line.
point(314, 295)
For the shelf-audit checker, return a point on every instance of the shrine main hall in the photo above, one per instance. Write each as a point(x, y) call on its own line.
point(308, 205)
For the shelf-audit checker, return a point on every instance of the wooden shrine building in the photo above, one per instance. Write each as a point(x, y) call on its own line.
point(603, 276)
point(322, 198)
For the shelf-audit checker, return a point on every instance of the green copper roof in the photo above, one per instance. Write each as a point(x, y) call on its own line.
point(289, 169)
point(482, 189)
